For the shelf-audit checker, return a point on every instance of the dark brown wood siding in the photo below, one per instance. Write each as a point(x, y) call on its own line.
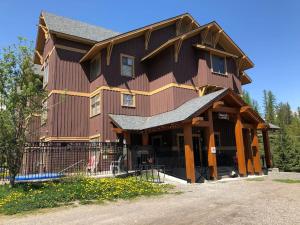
point(68, 116)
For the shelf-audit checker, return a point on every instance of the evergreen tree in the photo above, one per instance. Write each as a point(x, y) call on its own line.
point(269, 106)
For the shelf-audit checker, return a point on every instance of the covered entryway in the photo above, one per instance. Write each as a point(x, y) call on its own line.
point(201, 137)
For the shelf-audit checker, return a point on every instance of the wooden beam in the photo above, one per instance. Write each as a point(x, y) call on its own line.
point(216, 38)
point(240, 146)
point(215, 51)
point(267, 149)
point(127, 138)
point(225, 109)
point(147, 37)
point(261, 126)
point(117, 130)
point(108, 52)
point(245, 108)
point(255, 152)
point(189, 153)
point(198, 121)
point(218, 104)
point(204, 35)
point(145, 138)
point(177, 47)
point(248, 126)
point(248, 151)
point(211, 147)
point(178, 25)
point(40, 57)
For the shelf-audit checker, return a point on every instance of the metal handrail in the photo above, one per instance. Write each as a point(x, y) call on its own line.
point(71, 166)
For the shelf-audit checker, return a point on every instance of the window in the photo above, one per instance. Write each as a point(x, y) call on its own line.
point(44, 115)
point(95, 67)
point(127, 66)
point(46, 73)
point(218, 64)
point(95, 105)
point(128, 100)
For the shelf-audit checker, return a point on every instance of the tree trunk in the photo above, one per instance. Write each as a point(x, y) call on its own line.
point(12, 179)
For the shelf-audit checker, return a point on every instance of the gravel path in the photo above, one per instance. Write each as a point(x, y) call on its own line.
point(233, 202)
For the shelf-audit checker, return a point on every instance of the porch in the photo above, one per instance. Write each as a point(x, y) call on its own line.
point(205, 138)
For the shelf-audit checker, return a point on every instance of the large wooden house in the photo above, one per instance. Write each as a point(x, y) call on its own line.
point(174, 85)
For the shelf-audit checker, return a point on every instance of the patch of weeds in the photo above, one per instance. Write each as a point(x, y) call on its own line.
point(287, 181)
point(82, 190)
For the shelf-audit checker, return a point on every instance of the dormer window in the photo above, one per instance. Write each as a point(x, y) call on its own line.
point(95, 67)
point(127, 66)
point(218, 64)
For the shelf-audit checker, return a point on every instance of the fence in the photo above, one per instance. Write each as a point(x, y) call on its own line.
point(54, 160)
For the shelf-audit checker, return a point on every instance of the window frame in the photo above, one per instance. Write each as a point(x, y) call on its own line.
point(212, 67)
point(91, 105)
point(133, 100)
point(45, 69)
point(95, 58)
point(133, 65)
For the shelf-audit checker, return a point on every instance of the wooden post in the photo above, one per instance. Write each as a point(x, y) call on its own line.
point(145, 139)
point(255, 150)
point(189, 153)
point(129, 153)
point(240, 150)
point(248, 152)
point(211, 157)
point(267, 150)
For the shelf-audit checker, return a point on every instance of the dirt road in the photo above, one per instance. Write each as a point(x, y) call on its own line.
point(234, 202)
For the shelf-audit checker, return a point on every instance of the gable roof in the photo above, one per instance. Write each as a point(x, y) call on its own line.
point(63, 25)
point(183, 112)
point(212, 25)
point(134, 33)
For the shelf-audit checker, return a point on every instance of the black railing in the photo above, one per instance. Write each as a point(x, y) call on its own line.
point(54, 160)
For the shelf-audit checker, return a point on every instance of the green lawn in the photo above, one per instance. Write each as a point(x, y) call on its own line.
point(288, 181)
point(28, 197)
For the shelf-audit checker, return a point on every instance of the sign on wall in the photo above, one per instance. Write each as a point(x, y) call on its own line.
point(213, 150)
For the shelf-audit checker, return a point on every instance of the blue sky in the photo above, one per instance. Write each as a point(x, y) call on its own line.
point(268, 31)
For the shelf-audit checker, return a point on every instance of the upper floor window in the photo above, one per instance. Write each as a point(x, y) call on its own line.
point(45, 73)
point(95, 105)
point(95, 67)
point(218, 64)
point(127, 100)
point(127, 66)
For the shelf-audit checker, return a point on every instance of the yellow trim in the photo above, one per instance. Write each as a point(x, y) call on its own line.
point(122, 100)
point(67, 139)
point(70, 48)
point(72, 93)
point(95, 136)
point(43, 137)
point(147, 93)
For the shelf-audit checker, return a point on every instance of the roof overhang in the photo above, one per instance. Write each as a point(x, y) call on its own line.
point(232, 49)
point(187, 111)
point(135, 33)
point(245, 79)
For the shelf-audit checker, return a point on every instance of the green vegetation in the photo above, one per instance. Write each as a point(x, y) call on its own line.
point(285, 143)
point(255, 179)
point(28, 197)
point(287, 181)
point(21, 95)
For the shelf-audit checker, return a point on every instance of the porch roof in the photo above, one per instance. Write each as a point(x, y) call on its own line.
point(183, 112)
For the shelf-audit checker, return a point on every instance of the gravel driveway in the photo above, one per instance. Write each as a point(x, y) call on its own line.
point(233, 202)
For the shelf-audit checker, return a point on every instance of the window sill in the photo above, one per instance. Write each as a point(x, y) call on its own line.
point(127, 76)
point(220, 74)
point(129, 106)
point(92, 116)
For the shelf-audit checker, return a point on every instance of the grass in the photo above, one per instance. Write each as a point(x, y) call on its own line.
point(287, 181)
point(255, 179)
point(32, 196)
